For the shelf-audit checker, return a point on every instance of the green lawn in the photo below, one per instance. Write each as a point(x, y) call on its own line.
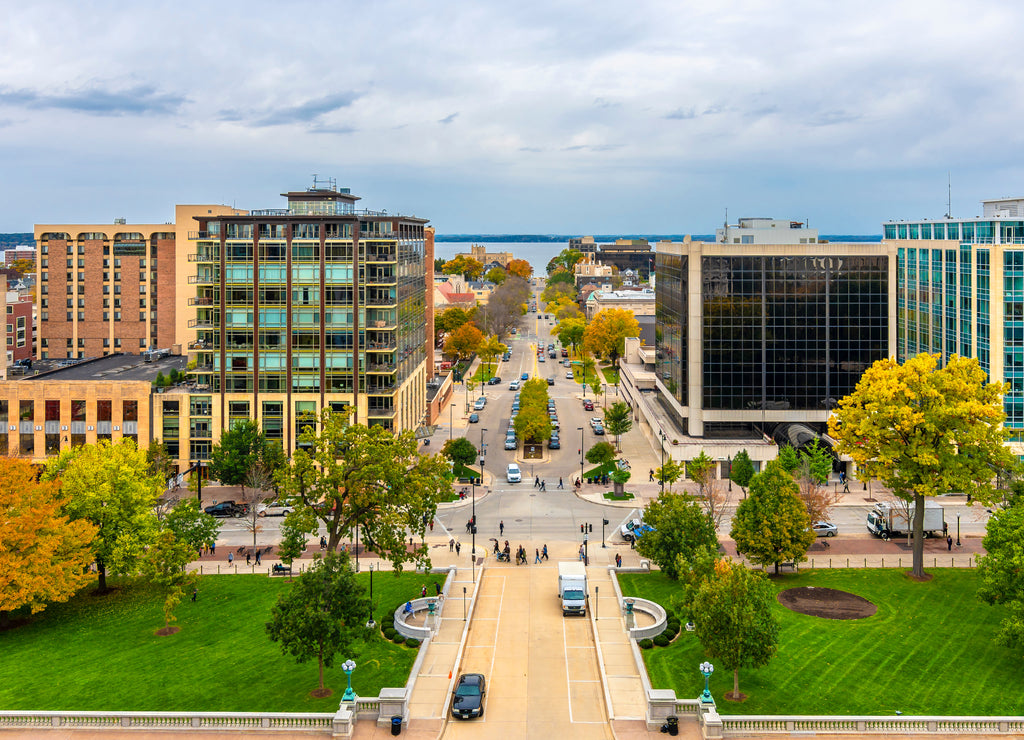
point(626, 496)
point(100, 653)
point(611, 375)
point(485, 371)
point(928, 650)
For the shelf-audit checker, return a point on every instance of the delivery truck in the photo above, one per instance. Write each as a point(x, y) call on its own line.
point(572, 588)
point(891, 520)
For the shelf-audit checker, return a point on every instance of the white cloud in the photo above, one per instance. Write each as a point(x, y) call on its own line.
point(589, 107)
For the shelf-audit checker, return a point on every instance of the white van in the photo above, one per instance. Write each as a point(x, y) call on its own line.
point(513, 474)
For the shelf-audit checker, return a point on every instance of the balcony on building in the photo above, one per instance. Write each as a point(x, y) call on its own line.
point(381, 253)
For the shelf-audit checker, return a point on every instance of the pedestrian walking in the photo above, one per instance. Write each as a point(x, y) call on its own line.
point(451, 545)
point(543, 485)
point(618, 560)
point(501, 528)
point(257, 557)
point(437, 588)
point(949, 542)
point(248, 557)
point(650, 476)
point(423, 591)
point(536, 556)
point(431, 525)
point(213, 548)
point(458, 548)
point(195, 593)
point(581, 552)
point(231, 558)
point(560, 482)
point(544, 552)
point(536, 482)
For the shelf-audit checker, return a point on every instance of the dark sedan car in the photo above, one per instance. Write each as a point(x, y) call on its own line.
point(468, 699)
point(494, 381)
point(224, 508)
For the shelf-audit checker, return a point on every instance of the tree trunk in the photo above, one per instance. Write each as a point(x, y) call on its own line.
point(918, 535)
point(736, 683)
point(101, 572)
point(776, 567)
point(320, 656)
point(619, 488)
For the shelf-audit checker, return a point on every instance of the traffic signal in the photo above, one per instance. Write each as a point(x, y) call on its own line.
point(583, 528)
point(604, 522)
point(591, 526)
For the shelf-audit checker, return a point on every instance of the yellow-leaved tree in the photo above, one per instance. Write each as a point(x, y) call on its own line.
point(923, 430)
point(43, 556)
point(606, 334)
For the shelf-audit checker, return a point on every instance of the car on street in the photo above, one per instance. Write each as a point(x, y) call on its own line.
point(507, 356)
point(495, 380)
point(540, 358)
point(588, 405)
point(565, 352)
point(551, 381)
point(568, 375)
point(825, 529)
point(274, 508)
point(474, 418)
point(566, 363)
point(514, 385)
point(599, 429)
point(479, 404)
point(524, 376)
point(554, 444)
point(468, 697)
point(224, 508)
point(513, 474)
point(596, 421)
point(511, 443)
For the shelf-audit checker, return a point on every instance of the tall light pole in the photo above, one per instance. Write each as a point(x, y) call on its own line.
point(580, 430)
point(371, 624)
point(661, 433)
point(729, 460)
point(958, 529)
point(451, 422)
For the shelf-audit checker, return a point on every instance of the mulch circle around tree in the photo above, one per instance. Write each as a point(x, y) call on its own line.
point(827, 603)
point(165, 631)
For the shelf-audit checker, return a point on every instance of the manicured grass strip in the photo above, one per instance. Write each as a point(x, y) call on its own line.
point(612, 496)
point(928, 650)
point(611, 375)
point(100, 653)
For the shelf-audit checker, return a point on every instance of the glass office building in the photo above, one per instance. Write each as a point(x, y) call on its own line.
point(960, 291)
point(753, 337)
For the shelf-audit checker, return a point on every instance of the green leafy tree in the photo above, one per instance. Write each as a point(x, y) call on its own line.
point(496, 275)
point(742, 469)
point(669, 473)
point(533, 424)
point(771, 525)
point(562, 276)
point(460, 450)
point(110, 486)
point(601, 454)
point(679, 531)
point(618, 420)
point(556, 291)
point(190, 525)
point(164, 564)
point(489, 351)
point(923, 430)
point(570, 332)
point(450, 319)
point(294, 530)
point(567, 259)
point(788, 458)
point(241, 449)
point(733, 619)
point(1002, 572)
point(44, 557)
point(812, 473)
point(351, 475)
point(320, 616)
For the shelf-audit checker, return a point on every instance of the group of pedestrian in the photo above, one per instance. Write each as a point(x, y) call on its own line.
point(208, 549)
point(521, 556)
point(543, 484)
point(454, 546)
point(618, 560)
point(248, 557)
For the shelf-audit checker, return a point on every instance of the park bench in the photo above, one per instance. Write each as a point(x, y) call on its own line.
point(281, 570)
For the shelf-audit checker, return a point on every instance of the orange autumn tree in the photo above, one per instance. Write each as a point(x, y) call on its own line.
point(43, 556)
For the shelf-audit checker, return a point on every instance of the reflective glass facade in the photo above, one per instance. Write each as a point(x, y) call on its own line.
point(670, 320)
point(790, 332)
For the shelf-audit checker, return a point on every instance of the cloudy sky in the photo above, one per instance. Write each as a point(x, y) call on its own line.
point(514, 117)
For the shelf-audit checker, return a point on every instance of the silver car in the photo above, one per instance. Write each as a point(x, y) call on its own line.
point(825, 529)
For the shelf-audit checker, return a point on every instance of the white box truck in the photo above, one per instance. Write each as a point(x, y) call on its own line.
point(572, 587)
point(891, 520)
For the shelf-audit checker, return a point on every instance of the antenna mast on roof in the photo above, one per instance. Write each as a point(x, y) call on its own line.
point(725, 238)
point(949, 195)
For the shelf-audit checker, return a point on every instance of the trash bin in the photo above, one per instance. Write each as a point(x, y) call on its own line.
point(673, 725)
point(396, 725)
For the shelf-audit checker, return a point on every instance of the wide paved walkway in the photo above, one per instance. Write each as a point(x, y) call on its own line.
point(544, 678)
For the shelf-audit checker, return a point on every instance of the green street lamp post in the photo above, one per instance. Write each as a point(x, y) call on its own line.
point(348, 666)
point(707, 669)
